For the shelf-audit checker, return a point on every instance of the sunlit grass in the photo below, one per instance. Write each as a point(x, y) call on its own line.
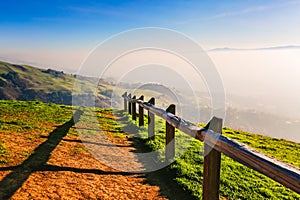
point(24, 122)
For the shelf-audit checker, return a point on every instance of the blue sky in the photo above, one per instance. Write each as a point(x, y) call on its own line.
point(60, 33)
point(80, 24)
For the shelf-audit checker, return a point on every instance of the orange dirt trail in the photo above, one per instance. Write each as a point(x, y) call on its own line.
point(60, 167)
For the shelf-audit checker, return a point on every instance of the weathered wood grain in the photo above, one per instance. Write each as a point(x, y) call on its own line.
point(133, 108)
point(170, 137)
point(141, 112)
point(151, 120)
point(212, 165)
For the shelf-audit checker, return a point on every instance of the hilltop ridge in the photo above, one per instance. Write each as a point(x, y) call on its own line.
point(23, 82)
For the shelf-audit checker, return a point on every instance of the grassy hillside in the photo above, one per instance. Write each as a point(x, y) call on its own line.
point(22, 82)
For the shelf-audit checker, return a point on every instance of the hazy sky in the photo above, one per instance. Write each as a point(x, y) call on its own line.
point(59, 34)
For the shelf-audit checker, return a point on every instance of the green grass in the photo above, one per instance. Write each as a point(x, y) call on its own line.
point(25, 116)
point(237, 181)
point(3, 153)
point(29, 120)
point(281, 149)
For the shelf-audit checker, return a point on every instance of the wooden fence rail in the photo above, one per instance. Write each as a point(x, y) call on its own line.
point(214, 145)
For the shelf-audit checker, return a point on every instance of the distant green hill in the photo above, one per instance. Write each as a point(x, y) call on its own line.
point(22, 82)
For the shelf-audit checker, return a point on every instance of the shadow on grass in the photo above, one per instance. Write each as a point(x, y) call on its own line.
point(165, 177)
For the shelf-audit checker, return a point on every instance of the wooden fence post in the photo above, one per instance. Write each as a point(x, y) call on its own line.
point(129, 105)
point(141, 113)
point(133, 107)
point(212, 165)
point(170, 137)
point(151, 121)
point(125, 102)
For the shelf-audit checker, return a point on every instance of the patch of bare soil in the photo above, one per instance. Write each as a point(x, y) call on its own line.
point(60, 167)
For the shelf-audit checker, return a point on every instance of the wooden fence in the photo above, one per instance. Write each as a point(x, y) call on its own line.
point(214, 145)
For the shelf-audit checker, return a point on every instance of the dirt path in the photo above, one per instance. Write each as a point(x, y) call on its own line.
point(60, 167)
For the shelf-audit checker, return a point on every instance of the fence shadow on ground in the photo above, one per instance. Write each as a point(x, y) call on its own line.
point(165, 177)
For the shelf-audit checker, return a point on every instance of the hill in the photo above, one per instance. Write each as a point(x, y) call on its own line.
point(22, 82)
